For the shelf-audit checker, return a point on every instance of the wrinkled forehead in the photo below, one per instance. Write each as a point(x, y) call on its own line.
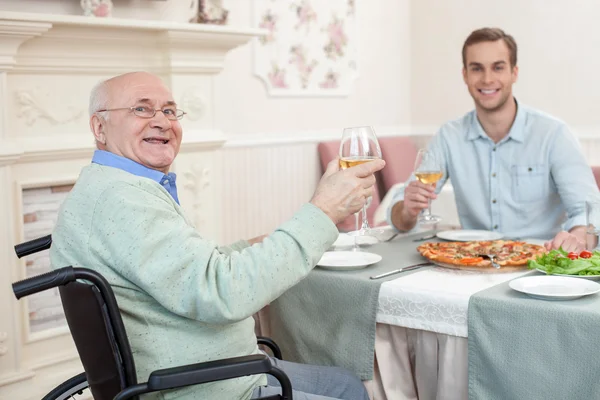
point(130, 90)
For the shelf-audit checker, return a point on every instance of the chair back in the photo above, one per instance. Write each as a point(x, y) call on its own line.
point(327, 152)
point(109, 368)
point(596, 171)
point(399, 154)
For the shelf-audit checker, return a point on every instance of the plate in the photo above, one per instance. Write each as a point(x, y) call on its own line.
point(590, 277)
point(345, 240)
point(550, 287)
point(347, 260)
point(466, 235)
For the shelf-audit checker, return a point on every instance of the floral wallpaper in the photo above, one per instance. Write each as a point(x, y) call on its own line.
point(310, 47)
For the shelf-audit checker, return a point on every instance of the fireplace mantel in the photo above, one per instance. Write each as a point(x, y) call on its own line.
point(48, 65)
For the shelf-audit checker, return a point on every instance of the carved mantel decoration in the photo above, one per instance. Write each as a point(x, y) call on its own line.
point(48, 64)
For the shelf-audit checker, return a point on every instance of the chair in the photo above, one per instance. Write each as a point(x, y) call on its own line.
point(596, 172)
point(95, 323)
point(399, 153)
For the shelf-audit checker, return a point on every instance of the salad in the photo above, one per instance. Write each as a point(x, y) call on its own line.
point(564, 263)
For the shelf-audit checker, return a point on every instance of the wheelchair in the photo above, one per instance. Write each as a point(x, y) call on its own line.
point(97, 328)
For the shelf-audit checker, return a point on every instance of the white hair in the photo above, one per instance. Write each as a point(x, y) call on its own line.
point(99, 98)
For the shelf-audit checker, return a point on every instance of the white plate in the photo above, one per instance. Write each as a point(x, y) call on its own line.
point(590, 277)
point(345, 240)
point(466, 235)
point(347, 260)
point(554, 287)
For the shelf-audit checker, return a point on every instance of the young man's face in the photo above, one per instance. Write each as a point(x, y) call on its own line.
point(489, 75)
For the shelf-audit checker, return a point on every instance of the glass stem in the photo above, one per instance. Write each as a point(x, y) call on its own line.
point(365, 221)
point(429, 207)
point(355, 248)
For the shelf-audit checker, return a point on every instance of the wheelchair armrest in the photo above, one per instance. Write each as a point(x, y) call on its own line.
point(193, 374)
point(271, 345)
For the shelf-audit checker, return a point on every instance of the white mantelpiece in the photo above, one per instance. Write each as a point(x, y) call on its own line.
point(48, 64)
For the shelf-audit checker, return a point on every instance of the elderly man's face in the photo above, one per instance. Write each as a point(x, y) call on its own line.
point(153, 142)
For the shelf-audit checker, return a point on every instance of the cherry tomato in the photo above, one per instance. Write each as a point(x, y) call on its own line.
point(585, 254)
point(573, 256)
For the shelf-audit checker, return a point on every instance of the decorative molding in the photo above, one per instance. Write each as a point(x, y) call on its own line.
point(31, 109)
point(197, 180)
point(193, 102)
point(3, 347)
point(12, 34)
point(83, 45)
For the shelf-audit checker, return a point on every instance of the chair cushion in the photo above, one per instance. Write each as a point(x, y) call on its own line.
point(399, 154)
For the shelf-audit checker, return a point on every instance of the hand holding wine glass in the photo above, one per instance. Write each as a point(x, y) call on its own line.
point(428, 170)
point(359, 145)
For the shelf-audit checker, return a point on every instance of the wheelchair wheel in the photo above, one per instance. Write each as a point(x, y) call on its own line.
point(69, 388)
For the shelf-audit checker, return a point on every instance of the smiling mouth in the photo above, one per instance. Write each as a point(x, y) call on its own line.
point(156, 141)
point(488, 91)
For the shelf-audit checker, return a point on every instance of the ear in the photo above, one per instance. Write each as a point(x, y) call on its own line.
point(97, 126)
point(464, 74)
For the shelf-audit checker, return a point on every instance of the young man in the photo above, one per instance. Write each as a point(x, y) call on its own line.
point(514, 169)
point(183, 299)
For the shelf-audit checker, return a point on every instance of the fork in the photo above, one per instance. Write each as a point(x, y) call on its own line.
point(491, 257)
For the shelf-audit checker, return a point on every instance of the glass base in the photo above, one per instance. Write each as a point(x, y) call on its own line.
point(429, 219)
point(367, 232)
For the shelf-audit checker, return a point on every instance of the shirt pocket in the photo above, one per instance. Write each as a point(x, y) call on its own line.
point(529, 182)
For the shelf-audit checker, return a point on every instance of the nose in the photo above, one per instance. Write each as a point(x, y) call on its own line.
point(160, 121)
point(487, 76)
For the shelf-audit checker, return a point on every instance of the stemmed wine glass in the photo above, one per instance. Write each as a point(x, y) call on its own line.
point(428, 170)
point(359, 145)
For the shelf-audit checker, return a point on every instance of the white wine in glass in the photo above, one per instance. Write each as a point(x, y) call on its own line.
point(359, 145)
point(428, 170)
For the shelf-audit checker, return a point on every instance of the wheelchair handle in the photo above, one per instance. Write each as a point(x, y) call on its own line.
point(43, 282)
point(33, 246)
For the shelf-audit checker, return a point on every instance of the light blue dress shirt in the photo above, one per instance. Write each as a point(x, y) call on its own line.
point(109, 159)
point(532, 183)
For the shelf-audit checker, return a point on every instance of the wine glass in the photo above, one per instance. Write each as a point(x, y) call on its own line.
point(359, 145)
point(428, 170)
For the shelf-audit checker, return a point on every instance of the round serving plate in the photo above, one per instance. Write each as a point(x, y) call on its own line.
point(489, 269)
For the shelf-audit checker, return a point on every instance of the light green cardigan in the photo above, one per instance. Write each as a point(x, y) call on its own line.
point(183, 299)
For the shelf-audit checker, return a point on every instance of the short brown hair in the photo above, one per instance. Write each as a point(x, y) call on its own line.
point(491, 35)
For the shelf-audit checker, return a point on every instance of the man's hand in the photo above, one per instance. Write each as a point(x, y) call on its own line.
point(341, 193)
point(416, 197)
point(569, 241)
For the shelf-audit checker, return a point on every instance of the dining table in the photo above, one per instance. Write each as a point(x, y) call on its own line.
point(436, 333)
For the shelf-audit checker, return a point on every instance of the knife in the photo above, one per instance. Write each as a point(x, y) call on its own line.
point(396, 271)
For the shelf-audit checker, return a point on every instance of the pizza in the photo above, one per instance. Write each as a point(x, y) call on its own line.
point(508, 253)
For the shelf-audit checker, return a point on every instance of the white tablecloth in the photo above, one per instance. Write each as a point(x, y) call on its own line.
point(434, 299)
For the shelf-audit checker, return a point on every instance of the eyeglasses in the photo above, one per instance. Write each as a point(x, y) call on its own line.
point(147, 112)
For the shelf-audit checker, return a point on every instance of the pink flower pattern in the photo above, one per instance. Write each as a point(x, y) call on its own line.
point(277, 77)
point(337, 39)
point(269, 22)
point(306, 14)
point(304, 68)
point(330, 81)
point(316, 37)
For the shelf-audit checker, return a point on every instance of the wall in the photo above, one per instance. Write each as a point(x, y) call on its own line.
point(381, 93)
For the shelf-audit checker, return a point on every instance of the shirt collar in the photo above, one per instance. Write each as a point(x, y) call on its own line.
point(109, 159)
point(516, 132)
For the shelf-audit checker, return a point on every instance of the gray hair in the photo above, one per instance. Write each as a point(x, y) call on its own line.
point(99, 98)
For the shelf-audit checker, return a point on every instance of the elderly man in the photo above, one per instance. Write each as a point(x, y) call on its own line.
point(514, 169)
point(184, 299)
